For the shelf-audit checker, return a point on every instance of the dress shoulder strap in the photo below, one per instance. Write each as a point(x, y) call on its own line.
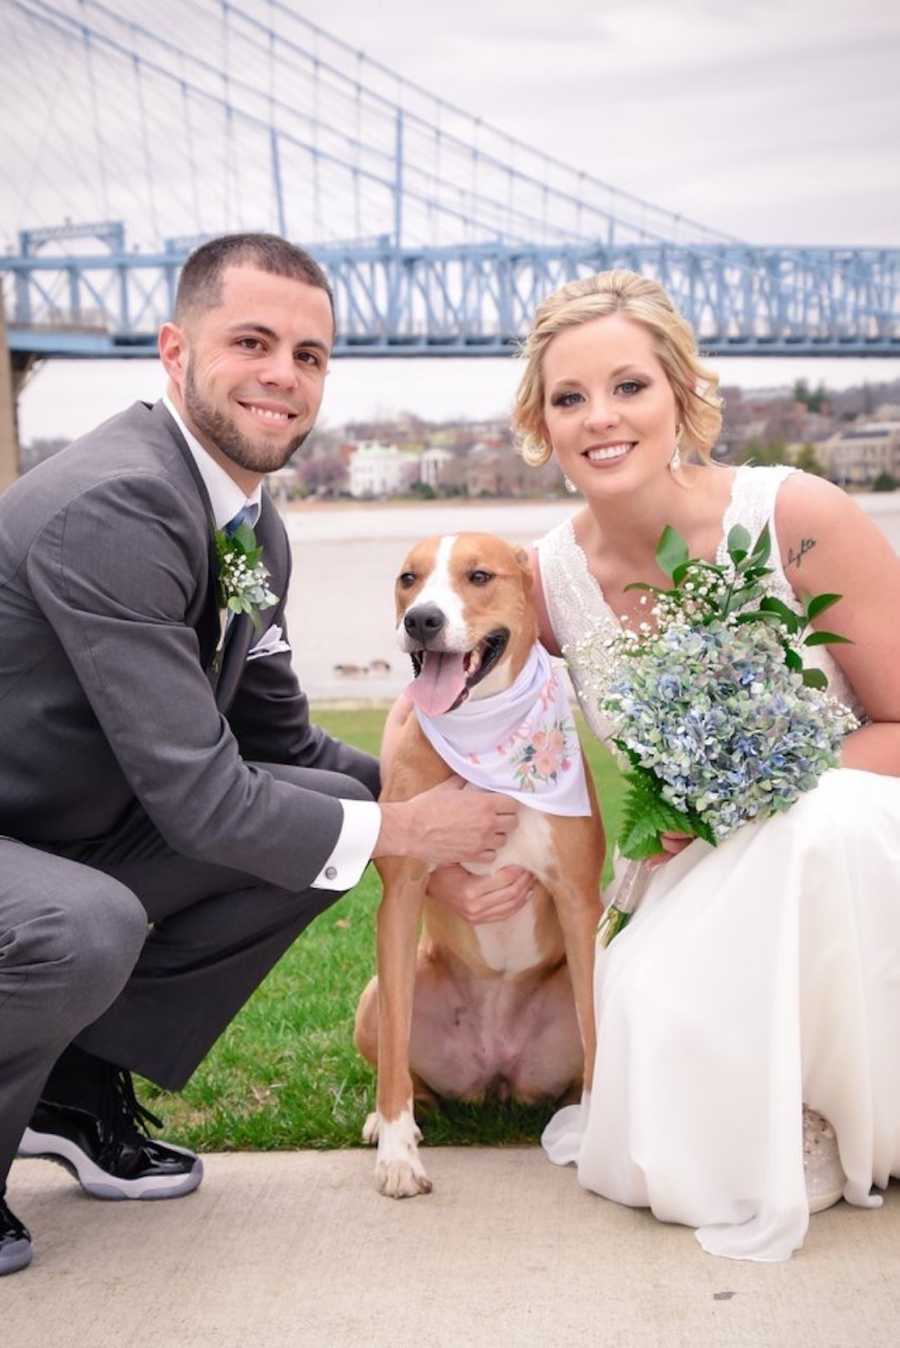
point(752, 504)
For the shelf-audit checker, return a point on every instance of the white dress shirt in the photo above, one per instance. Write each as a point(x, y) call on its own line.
point(362, 818)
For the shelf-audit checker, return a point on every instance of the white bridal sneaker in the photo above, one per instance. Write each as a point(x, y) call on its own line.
point(825, 1178)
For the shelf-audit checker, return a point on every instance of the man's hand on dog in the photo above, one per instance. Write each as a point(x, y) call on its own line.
point(447, 824)
point(482, 898)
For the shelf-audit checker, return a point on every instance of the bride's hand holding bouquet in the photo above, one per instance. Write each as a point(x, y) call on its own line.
point(714, 713)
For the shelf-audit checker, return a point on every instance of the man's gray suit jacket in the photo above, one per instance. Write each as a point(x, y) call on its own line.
point(111, 696)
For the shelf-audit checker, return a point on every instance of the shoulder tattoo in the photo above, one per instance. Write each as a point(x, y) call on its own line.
point(796, 555)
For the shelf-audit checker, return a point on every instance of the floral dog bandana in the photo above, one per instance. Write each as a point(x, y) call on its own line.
point(521, 742)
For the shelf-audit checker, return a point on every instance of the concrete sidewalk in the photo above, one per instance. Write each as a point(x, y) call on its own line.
point(296, 1248)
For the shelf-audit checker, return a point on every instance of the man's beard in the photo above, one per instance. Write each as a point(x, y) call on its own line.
point(218, 428)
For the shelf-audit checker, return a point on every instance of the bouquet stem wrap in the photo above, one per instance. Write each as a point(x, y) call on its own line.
point(628, 894)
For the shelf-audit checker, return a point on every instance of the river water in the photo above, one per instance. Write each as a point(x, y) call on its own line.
point(346, 558)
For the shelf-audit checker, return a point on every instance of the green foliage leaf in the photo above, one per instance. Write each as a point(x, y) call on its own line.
point(759, 616)
point(680, 572)
point(762, 548)
point(741, 597)
point(756, 572)
point(738, 543)
point(646, 815)
point(642, 585)
point(787, 615)
point(820, 603)
point(827, 639)
point(245, 537)
point(671, 550)
point(793, 660)
point(815, 678)
point(637, 843)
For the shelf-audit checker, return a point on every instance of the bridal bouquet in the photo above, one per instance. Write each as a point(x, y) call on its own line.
point(712, 708)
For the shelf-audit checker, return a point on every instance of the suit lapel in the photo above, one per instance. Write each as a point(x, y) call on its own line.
point(208, 628)
point(241, 631)
point(237, 643)
point(223, 663)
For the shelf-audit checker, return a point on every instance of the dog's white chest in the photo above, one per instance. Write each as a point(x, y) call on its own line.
point(529, 846)
point(511, 946)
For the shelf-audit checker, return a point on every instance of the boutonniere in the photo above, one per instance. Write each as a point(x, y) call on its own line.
point(243, 579)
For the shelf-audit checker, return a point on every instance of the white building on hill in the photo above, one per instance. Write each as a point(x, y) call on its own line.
point(864, 450)
point(381, 470)
point(434, 466)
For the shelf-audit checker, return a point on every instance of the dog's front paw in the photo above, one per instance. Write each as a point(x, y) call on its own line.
point(401, 1179)
point(399, 1172)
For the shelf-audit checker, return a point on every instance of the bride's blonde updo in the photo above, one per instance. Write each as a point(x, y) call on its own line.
point(645, 301)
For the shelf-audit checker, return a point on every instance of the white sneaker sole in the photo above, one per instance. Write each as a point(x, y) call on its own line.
point(96, 1182)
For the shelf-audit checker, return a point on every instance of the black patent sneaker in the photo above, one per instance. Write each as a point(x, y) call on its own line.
point(111, 1154)
point(15, 1242)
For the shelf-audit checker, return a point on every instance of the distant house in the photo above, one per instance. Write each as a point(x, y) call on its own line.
point(862, 451)
point(484, 471)
point(435, 467)
point(378, 470)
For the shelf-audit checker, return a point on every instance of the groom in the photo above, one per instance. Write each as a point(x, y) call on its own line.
point(157, 762)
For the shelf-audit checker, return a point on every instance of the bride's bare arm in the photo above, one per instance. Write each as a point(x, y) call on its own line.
point(829, 546)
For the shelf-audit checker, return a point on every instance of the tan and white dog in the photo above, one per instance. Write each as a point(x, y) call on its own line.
point(505, 1008)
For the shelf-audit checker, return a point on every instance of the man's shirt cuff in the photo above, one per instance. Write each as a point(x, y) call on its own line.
point(353, 849)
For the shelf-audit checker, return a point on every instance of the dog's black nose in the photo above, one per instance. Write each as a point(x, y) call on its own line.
point(424, 622)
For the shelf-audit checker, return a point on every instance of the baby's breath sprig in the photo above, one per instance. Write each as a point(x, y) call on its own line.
point(243, 579)
point(707, 592)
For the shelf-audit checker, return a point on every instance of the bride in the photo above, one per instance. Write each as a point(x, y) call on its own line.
point(747, 1068)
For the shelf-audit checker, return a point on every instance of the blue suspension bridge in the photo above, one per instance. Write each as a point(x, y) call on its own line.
point(130, 138)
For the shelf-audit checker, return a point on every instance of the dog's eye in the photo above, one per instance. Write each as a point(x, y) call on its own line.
point(480, 577)
point(407, 578)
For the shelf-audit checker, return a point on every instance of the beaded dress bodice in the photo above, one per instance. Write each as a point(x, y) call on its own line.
point(577, 607)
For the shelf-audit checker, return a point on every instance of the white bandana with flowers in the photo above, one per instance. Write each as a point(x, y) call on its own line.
point(521, 741)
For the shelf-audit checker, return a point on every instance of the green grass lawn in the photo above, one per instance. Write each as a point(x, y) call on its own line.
point(285, 1074)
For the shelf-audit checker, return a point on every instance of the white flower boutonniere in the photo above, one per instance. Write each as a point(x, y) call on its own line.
point(243, 580)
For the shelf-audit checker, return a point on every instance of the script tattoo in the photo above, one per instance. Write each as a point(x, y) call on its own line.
point(806, 545)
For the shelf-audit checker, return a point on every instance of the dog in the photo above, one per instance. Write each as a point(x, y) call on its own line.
point(506, 1008)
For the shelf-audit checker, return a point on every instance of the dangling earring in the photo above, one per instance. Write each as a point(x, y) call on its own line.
point(570, 486)
point(675, 461)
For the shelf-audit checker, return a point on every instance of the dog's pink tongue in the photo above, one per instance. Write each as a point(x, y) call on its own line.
point(439, 684)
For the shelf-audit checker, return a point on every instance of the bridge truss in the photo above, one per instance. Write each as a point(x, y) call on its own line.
point(440, 233)
point(477, 299)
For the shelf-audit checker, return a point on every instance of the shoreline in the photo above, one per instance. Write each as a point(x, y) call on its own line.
point(312, 505)
point(340, 612)
point(872, 502)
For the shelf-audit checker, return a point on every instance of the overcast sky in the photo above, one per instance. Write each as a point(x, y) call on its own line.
point(774, 120)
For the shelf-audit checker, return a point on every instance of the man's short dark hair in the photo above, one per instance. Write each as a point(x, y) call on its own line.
point(200, 283)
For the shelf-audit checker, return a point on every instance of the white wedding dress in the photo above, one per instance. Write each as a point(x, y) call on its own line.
point(755, 977)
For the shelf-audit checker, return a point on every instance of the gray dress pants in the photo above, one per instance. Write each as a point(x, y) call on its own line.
point(78, 960)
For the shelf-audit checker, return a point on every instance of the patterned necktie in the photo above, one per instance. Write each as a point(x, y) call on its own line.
point(244, 516)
